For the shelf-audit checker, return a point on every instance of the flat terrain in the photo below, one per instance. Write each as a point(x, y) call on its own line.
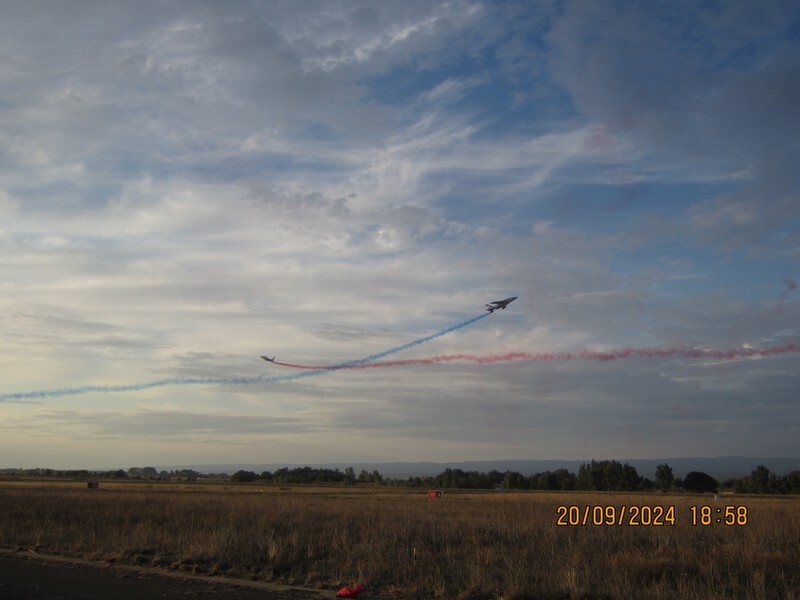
point(399, 544)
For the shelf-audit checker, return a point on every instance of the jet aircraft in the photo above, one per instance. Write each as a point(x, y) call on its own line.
point(492, 306)
point(272, 360)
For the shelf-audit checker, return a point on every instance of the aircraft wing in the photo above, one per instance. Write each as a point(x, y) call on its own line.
point(492, 306)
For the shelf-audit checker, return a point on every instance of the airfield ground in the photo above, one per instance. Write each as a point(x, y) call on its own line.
point(399, 544)
point(24, 576)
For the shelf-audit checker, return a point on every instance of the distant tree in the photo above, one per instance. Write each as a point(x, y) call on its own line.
point(305, 475)
point(448, 478)
point(365, 476)
point(565, 479)
point(244, 476)
point(280, 475)
point(542, 481)
point(494, 478)
point(760, 480)
point(514, 481)
point(793, 482)
point(143, 473)
point(607, 475)
point(630, 480)
point(457, 478)
point(586, 476)
point(117, 474)
point(699, 482)
point(560, 479)
point(665, 478)
point(349, 475)
point(549, 481)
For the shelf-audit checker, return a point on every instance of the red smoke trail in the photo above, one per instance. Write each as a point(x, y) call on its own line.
point(791, 285)
point(599, 355)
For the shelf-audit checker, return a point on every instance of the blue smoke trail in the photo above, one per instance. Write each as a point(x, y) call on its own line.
point(372, 357)
point(136, 387)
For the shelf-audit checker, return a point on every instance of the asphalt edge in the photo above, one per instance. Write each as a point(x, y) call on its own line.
point(31, 554)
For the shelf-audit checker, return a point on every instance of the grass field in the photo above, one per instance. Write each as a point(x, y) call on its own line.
point(397, 543)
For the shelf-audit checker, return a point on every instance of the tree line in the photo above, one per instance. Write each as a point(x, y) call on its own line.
point(150, 473)
point(604, 475)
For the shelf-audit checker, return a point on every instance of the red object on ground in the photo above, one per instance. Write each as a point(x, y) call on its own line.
point(349, 592)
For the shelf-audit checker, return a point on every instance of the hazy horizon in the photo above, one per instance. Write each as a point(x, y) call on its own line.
point(721, 467)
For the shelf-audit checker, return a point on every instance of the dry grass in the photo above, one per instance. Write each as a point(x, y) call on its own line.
point(399, 543)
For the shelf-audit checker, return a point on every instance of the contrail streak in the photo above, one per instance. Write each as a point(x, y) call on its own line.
point(174, 381)
point(598, 355)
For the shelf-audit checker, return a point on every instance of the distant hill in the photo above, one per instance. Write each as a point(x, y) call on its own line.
point(721, 468)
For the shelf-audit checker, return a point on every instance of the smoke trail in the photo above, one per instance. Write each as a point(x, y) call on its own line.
point(367, 359)
point(791, 285)
point(137, 387)
point(174, 381)
point(598, 355)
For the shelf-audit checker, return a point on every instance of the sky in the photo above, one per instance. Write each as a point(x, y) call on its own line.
point(188, 185)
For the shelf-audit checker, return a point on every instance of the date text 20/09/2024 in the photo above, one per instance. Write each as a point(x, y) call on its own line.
point(649, 516)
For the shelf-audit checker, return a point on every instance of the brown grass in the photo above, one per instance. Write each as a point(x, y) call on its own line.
point(398, 543)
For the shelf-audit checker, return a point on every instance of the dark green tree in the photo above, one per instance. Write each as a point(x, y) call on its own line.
point(514, 481)
point(544, 481)
point(565, 479)
point(244, 476)
point(665, 478)
point(349, 475)
point(792, 482)
point(760, 480)
point(699, 482)
point(607, 475)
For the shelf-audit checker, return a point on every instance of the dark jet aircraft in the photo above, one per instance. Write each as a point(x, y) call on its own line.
point(492, 306)
point(272, 360)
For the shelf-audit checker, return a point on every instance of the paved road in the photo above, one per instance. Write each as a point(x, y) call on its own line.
point(27, 577)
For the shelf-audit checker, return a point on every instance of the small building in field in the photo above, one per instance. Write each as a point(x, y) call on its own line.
point(435, 495)
point(93, 485)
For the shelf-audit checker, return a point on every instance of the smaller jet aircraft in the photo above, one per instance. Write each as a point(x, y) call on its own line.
point(272, 360)
point(492, 306)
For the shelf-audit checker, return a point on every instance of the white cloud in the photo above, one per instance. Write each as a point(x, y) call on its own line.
point(187, 188)
point(662, 86)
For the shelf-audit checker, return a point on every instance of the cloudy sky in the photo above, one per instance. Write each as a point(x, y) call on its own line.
point(185, 186)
